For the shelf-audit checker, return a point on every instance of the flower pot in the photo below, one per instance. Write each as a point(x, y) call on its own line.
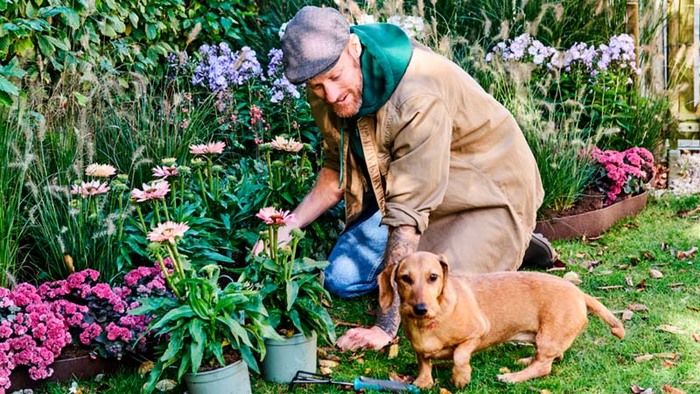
point(231, 379)
point(593, 223)
point(80, 367)
point(284, 358)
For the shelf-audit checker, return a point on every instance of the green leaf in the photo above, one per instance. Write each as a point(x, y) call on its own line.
point(292, 290)
point(5, 99)
point(183, 312)
point(174, 346)
point(23, 46)
point(60, 44)
point(8, 87)
point(82, 100)
point(151, 31)
point(134, 19)
point(45, 46)
point(199, 339)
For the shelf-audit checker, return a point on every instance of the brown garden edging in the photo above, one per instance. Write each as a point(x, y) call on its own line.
point(81, 367)
point(593, 223)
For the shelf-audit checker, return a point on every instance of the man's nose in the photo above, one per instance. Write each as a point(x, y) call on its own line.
point(332, 94)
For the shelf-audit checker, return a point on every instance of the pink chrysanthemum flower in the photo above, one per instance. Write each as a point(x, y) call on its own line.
point(271, 215)
point(156, 190)
point(168, 231)
point(206, 149)
point(165, 171)
point(287, 145)
point(87, 189)
point(100, 170)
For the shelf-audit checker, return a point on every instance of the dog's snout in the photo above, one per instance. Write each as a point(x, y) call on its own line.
point(420, 309)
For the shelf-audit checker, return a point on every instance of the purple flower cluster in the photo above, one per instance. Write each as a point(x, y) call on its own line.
point(281, 88)
point(622, 174)
point(222, 68)
point(36, 324)
point(619, 52)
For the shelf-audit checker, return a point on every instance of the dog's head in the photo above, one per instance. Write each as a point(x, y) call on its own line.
point(419, 280)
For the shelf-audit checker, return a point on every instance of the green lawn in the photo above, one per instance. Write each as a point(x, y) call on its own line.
point(661, 347)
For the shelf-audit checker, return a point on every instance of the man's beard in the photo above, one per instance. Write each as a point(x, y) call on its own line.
point(348, 110)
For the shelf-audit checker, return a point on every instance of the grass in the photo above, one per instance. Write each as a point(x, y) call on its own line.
point(597, 362)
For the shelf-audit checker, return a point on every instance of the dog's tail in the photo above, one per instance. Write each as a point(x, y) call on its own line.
point(604, 313)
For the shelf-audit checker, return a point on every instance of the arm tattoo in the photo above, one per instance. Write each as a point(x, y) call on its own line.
point(402, 241)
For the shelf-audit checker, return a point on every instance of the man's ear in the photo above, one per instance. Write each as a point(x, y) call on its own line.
point(387, 283)
point(354, 46)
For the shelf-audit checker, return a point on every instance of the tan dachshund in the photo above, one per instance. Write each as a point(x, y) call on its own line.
point(455, 316)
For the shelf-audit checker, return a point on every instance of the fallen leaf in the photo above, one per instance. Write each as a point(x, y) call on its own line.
point(166, 385)
point(668, 356)
point(328, 363)
point(393, 351)
point(668, 364)
point(676, 286)
point(641, 286)
point(348, 324)
point(640, 390)
point(671, 390)
point(637, 307)
point(634, 260)
point(648, 255)
point(445, 391)
point(695, 337)
point(685, 213)
point(545, 391)
point(670, 328)
point(627, 315)
point(367, 371)
point(395, 377)
point(357, 357)
point(655, 274)
point(628, 280)
point(572, 277)
point(580, 255)
point(693, 308)
point(590, 264)
point(614, 287)
point(622, 266)
point(145, 367)
point(643, 358)
point(325, 370)
point(504, 370)
point(686, 254)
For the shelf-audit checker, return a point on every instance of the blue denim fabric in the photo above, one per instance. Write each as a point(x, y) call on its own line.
point(356, 259)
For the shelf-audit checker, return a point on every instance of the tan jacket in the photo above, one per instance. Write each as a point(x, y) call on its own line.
point(443, 156)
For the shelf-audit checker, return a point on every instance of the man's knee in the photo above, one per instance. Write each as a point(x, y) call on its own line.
point(344, 281)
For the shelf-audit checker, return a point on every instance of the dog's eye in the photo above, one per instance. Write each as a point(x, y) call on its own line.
point(433, 277)
point(406, 279)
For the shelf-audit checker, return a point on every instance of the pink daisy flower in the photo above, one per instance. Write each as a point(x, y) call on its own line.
point(168, 231)
point(87, 189)
point(164, 171)
point(100, 170)
point(206, 149)
point(156, 190)
point(271, 215)
point(287, 145)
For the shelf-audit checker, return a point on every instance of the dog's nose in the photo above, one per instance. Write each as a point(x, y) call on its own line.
point(420, 309)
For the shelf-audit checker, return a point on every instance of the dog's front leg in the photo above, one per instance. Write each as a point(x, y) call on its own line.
point(425, 372)
point(462, 370)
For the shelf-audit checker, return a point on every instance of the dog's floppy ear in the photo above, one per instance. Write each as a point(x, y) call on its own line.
point(387, 281)
point(445, 267)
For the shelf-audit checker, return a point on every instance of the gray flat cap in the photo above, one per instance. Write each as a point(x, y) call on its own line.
point(312, 42)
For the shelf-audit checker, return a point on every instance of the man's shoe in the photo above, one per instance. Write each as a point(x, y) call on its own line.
point(540, 254)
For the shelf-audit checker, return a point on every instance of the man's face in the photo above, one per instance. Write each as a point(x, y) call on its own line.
point(341, 86)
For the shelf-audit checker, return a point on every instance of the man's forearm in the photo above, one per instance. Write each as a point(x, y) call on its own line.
point(324, 195)
point(401, 242)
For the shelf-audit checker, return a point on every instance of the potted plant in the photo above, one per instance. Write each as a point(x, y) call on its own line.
point(212, 333)
point(294, 297)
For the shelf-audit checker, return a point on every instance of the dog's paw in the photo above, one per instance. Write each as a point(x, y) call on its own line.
point(525, 361)
point(461, 379)
point(508, 378)
point(423, 382)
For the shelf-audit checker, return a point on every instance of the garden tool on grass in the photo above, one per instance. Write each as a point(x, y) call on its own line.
point(361, 383)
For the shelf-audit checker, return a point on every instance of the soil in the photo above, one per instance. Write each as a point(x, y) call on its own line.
point(230, 357)
point(585, 203)
point(73, 351)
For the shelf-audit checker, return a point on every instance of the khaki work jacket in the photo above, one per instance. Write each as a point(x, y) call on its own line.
point(445, 157)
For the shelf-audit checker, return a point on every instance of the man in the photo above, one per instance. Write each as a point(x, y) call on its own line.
point(424, 158)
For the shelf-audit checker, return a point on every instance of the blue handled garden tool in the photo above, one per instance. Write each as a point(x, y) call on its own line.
point(361, 383)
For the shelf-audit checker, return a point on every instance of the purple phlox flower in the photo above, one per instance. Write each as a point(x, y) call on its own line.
point(220, 67)
point(275, 66)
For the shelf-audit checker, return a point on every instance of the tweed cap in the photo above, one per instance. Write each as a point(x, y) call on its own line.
point(313, 42)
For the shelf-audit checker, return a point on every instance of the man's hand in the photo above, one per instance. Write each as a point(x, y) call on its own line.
point(283, 238)
point(373, 338)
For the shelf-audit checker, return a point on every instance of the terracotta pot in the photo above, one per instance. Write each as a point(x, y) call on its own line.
point(82, 367)
point(593, 223)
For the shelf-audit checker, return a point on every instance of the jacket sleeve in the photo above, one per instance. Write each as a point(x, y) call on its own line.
point(419, 135)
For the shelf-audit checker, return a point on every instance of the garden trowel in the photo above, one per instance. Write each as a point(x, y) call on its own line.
point(360, 383)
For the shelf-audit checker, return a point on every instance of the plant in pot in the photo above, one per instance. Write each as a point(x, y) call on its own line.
point(294, 297)
point(209, 331)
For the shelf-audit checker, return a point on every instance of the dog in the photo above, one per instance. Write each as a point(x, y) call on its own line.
point(450, 316)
